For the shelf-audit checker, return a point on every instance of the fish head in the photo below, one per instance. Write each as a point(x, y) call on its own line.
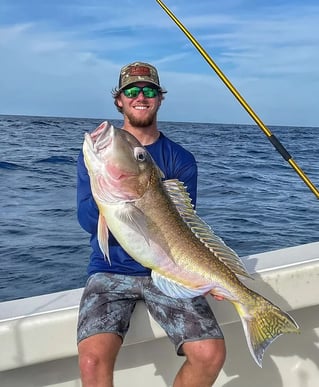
point(120, 168)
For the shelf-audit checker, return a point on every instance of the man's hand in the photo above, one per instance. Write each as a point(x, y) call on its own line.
point(218, 298)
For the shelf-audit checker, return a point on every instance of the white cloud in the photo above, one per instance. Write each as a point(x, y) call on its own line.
point(64, 58)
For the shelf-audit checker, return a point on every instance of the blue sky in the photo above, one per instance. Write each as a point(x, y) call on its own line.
point(62, 58)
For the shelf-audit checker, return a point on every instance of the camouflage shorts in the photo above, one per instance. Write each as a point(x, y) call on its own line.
point(109, 299)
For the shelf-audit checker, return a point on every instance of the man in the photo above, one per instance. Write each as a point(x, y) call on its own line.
point(112, 291)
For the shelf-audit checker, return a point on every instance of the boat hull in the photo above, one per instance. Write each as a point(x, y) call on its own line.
point(38, 334)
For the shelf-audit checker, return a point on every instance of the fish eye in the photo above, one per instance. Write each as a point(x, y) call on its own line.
point(140, 154)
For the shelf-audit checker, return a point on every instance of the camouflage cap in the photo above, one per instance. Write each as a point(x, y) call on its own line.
point(139, 72)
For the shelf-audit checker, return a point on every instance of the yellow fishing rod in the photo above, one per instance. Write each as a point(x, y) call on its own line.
point(272, 138)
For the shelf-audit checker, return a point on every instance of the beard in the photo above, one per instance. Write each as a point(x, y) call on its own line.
point(144, 122)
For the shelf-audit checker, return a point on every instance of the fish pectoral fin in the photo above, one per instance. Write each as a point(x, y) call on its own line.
point(103, 237)
point(135, 219)
point(175, 289)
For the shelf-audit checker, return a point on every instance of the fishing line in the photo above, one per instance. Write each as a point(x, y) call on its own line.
point(272, 138)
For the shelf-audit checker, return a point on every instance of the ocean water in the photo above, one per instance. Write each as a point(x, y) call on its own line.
point(247, 192)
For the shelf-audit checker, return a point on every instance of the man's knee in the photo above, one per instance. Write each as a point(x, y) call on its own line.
point(210, 354)
point(215, 354)
point(89, 363)
point(97, 355)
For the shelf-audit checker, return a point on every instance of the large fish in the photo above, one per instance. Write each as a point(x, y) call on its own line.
point(154, 221)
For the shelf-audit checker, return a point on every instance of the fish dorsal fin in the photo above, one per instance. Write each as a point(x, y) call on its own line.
point(176, 290)
point(180, 197)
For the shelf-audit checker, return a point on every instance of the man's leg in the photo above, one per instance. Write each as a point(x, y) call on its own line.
point(97, 355)
point(106, 306)
point(204, 360)
point(192, 327)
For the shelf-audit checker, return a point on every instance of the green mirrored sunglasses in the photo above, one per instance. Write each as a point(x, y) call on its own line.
point(134, 91)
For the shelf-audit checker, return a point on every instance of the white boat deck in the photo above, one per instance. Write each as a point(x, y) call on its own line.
point(38, 334)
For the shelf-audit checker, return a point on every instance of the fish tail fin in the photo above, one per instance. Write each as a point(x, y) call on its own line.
point(262, 324)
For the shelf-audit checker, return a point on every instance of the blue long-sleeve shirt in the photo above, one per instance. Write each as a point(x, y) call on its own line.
point(174, 161)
